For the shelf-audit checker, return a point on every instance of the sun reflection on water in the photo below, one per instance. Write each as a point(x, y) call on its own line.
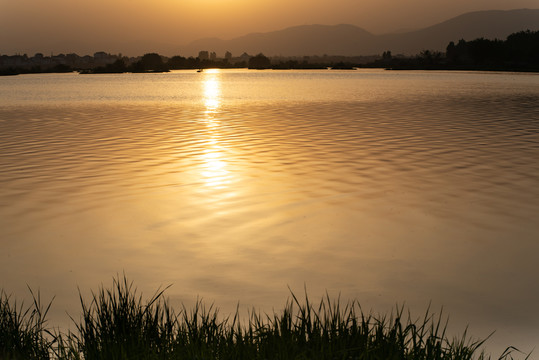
point(212, 90)
point(214, 173)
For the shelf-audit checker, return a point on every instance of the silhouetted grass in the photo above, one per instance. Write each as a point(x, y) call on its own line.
point(117, 324)
point(22, 329)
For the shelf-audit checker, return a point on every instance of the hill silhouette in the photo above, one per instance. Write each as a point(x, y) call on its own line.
point(350, 40)
point(297, 40)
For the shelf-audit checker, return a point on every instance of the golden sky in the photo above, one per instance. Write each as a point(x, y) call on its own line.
point(82, 26)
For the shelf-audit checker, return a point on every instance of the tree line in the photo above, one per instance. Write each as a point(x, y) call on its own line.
point(519, 52)
point(153, 62)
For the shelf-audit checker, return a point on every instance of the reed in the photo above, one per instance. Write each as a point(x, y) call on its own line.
point(117, 324)
point(23, 332)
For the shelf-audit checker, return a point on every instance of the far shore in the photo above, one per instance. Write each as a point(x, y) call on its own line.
point(518, 53)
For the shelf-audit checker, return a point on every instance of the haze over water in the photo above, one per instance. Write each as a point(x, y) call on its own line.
point(385, 187)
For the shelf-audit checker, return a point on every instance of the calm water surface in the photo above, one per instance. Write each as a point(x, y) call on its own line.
point(386, 187)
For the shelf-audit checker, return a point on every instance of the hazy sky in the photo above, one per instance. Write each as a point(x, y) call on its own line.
point(84, 26)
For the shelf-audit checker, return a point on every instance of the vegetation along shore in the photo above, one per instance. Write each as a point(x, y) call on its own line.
point(519, 52)
point(117, 324)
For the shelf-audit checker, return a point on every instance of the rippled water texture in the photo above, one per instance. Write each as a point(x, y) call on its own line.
point(384, 186)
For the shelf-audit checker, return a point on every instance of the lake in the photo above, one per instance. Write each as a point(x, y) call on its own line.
point(387, 187)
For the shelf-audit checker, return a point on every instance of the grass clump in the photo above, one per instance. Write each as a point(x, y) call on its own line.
point(117, 324)
point(23, 334)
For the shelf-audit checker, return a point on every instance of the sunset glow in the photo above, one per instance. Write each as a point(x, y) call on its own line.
point(135, 27)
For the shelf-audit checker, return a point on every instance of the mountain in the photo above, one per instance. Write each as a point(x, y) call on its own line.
point(297, 40)
point(493, 24)
point(350, 40)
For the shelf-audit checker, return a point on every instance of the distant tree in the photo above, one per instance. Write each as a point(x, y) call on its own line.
point(150, 62)
point(387, 58)
point(461, 52)
point(177, 62)
point(451, 52)
point(259, 62)
point(484, 51)
point(430, 58)
point(524, 46)
point(117, 66)
point(192, 63)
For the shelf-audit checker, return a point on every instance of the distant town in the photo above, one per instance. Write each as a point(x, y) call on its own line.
point(519, 52)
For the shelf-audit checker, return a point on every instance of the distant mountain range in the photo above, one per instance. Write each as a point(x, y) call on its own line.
point(350, 40)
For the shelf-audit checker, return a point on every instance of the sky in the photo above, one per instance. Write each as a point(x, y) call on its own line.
point(131, 26)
